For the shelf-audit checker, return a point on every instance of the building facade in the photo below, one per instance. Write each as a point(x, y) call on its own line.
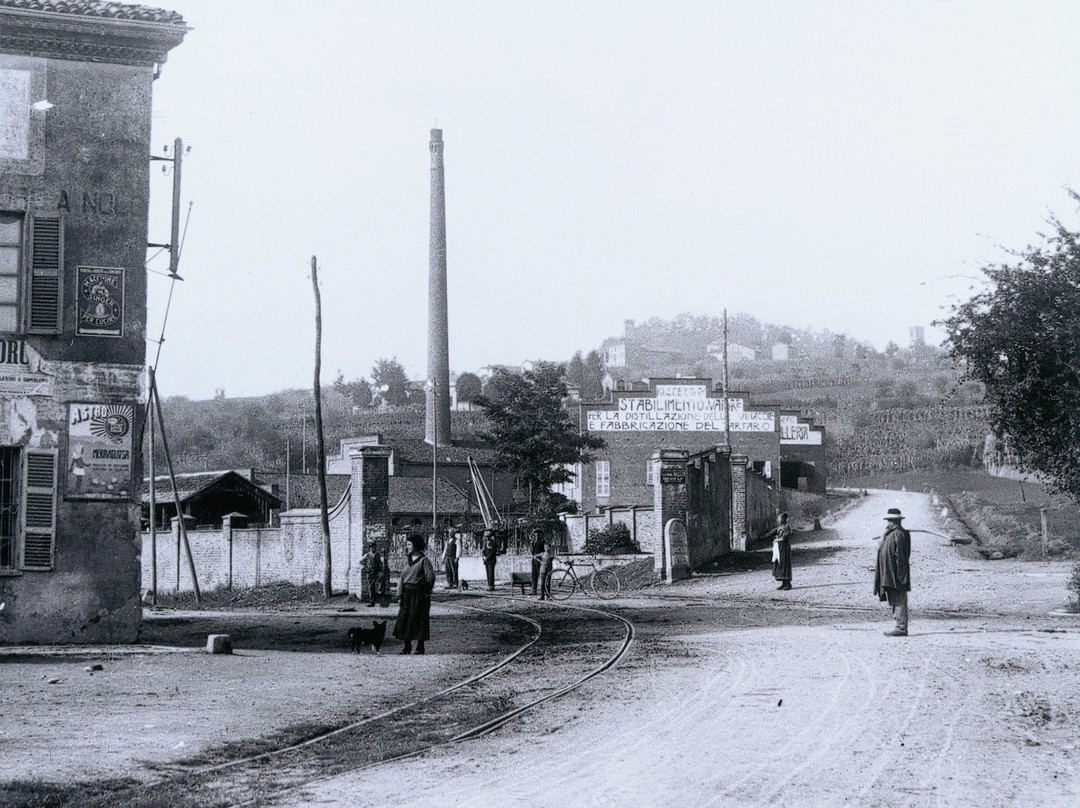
point(75, 100)
point(688, 415)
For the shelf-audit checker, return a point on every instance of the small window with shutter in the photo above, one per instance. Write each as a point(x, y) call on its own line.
point(10, 507)
point(39, 509)
point(44, 288)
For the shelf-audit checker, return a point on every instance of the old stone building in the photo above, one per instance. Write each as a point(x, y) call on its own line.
point(75, 101)
point(688, 414)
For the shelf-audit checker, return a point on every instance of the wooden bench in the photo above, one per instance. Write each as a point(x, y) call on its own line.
point(522, 579)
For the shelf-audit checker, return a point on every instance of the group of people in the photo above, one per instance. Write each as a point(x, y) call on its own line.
point(417, 581)
point(892, 574)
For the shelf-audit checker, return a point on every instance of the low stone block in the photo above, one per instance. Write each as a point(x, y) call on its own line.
point(218, 644)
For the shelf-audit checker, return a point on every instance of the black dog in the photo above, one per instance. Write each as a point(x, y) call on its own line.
point(368, 636)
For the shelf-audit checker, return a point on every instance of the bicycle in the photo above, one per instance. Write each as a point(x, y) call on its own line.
point(603, 583)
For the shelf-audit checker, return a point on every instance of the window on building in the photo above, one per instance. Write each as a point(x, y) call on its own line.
point(30, 289)
point(603, 478)
point(9, 508)
point(27, 508)
point(11, 241)
point(650, 471)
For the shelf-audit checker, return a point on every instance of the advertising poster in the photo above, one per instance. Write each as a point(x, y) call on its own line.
point(101, 302)
point(99, 462)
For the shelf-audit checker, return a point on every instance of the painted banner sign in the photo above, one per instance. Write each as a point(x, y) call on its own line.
point(791, 431)
point(101, 302)
point(679, 408)
point(99, 464)
point(14, 114)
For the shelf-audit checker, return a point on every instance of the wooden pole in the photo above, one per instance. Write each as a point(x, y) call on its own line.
point(324, 513)
point(727, 409)
point(153, 507)
point(1045, 531)
point(176, 492)
point(434, 461)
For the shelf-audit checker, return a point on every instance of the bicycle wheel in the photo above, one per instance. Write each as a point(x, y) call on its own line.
point(563, 585)
point(605, 584)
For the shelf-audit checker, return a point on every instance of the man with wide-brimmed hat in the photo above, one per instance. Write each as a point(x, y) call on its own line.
point(892, 579)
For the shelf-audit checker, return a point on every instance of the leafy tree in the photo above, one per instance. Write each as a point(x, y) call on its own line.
point(575, 371)
point(357, 392)
point(592, 387)
point(891, 348)
point(388, 377)
point(1020, 337)
point(532, 434)
point(469, 387)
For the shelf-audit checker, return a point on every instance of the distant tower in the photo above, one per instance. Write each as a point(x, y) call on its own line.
point(915, 334)
point(437, 418)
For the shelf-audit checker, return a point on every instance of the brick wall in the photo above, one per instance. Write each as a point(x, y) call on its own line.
point(708, 506)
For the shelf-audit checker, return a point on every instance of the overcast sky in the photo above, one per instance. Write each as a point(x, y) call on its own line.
point(826, 164)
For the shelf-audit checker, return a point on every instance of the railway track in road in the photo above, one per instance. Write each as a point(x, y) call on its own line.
point(568, 645)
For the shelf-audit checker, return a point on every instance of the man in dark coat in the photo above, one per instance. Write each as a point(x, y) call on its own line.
point(490, 552)
point(892, 579)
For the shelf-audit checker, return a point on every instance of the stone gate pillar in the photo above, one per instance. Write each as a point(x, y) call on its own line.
point(669, 499)
point(369, 507)
point(739, 538)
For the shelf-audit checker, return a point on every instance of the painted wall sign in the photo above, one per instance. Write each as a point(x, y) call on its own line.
point(101, 302)
point(100, 463)
point(792, 432)
point(679, 408)
point(15, 113)
point(20, 373)
point(670, 475)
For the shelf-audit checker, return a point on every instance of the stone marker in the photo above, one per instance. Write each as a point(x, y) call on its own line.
point(218, 644)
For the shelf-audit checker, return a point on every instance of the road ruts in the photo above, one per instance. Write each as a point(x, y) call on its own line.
point(568, 646)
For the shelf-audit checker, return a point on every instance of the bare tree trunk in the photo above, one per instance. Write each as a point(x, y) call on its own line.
point(320, 444)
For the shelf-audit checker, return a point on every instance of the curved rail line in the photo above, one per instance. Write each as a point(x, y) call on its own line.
point(475, 732)
point(370, 719)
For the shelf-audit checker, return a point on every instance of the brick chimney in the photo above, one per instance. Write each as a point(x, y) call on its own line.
point(437, 416)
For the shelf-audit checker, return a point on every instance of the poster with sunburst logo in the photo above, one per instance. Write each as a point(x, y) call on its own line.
point(99, 463)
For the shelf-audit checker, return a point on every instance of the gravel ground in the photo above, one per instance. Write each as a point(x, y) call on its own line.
point(733, 693)
point(809, 706)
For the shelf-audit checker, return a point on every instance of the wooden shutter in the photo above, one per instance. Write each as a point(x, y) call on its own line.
point(44, 288)
point(39, 509)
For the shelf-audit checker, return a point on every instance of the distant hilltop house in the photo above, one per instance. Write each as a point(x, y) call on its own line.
point(735, 352)
point(623, 352)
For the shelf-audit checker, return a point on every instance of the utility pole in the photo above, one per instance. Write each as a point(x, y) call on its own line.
point(727, 406)
point(320, 445)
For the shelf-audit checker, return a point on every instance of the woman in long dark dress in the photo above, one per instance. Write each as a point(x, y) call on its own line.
point(414, 601)
point(781, 536)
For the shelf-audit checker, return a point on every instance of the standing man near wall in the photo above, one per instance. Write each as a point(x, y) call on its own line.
point(892, 579)
point(490, 553)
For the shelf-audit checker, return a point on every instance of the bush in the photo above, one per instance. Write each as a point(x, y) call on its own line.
point(614, 539)
point(1074, 587)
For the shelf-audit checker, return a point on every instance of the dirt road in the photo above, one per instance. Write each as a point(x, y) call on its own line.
point(810, 706)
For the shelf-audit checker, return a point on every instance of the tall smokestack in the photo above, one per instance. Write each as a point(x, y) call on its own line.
point(437, 419)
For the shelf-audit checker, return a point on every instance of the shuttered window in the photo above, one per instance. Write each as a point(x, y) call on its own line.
point(603, 478)
point(45, 293)
point(39, 509)
point(11, 248)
